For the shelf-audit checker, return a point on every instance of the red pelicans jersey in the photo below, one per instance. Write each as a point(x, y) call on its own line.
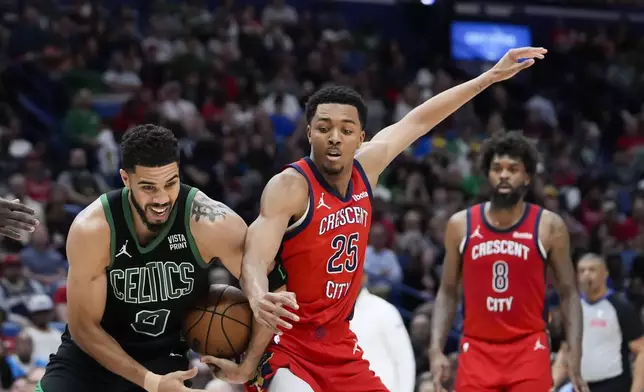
point(504, 280)
point(323, 252)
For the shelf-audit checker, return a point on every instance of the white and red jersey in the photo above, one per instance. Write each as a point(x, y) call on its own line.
point(504, 277)
point(323, 252)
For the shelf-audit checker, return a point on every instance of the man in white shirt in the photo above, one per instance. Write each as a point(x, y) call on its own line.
point(385, 341)
point(45, 338)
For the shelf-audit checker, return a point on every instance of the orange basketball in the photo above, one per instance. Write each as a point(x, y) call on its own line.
point(220, 325)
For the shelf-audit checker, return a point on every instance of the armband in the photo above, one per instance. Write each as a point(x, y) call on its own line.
point(277, 277)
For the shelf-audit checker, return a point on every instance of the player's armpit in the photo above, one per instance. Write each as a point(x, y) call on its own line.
point(218, 232)
point(447, 299)
point(88, 251)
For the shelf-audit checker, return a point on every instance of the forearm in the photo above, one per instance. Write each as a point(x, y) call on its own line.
point(259, 340)
point(445, 308)
point(107, 352)
point(560, 368)
point(571, 306)
point(254, 277)
point(638, 374)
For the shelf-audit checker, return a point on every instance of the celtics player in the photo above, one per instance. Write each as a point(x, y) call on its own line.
point(138, 258)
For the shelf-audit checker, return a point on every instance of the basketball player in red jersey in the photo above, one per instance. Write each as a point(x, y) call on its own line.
point(314, 224)
point(502, 249)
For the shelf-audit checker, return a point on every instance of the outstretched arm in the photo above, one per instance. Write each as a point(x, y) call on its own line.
point(376, 155)
point(285, 196)
point(558, 246)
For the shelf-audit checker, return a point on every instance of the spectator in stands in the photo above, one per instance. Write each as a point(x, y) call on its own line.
point(60, 303)
point(59, 218)
point(280, 13)
point(37, 178)
point(82, 185)
point(81, 122)
point(419, 333)
point(174, 108)
point(42, 262)
point(122, 76)
point(46, 339)
point(6, 377)
point(381, 263)
point(18, 190)
point(24, 360)
point(384, 340)
point(16, 289)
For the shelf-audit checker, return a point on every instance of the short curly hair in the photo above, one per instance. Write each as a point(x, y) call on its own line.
point(336, 94)
point(512, 144)
point(148, 145)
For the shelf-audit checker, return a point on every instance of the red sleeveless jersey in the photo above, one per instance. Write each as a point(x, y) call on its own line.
point(323, 253)
point(504, 277)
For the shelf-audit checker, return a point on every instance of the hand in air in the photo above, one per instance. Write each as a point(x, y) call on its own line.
point(269, 310)
point(440, 369)
point(229, 371)
point(16, 217)
point(509, 65)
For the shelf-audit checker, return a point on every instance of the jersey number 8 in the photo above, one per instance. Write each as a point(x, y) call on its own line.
point(500, 281)
point(346, 248)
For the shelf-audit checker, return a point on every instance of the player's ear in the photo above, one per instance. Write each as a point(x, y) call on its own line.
point(362, 136)
point(308, 133)
point(124, 178)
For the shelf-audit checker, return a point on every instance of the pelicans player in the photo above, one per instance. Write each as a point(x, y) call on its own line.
point(502, 249)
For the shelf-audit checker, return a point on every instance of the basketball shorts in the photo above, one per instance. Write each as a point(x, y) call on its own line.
point(328, 359)
point(520, 366)
point(71, 369)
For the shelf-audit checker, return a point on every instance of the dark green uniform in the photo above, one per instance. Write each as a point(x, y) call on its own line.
point(149, 290)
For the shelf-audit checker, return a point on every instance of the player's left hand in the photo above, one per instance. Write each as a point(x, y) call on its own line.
point(230, 371)
point(509, 65)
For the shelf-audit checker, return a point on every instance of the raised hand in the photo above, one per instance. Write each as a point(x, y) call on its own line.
point(269, 310)
point(511, 64)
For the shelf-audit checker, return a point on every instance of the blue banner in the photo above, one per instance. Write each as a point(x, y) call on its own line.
point(472, 41)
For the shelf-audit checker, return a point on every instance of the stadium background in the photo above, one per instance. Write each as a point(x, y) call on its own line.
point(231, 77)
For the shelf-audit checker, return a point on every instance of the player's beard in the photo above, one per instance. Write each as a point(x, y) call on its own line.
point(153, 227)
point(332, 171)
point(504, 201)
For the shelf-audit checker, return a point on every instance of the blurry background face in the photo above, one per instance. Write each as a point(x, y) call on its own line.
point(153, 193)
point(592, 274)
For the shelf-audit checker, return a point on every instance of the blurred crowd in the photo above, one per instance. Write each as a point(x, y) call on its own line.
point(231, 82)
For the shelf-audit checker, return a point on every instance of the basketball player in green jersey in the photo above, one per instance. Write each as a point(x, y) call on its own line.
point(138, 258)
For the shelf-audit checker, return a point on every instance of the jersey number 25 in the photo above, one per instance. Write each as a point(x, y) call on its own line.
point(345, 257)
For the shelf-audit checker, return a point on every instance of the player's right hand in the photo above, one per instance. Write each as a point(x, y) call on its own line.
point(440, 369)
point(16, 217)
point(174, 382)
point(269, 310)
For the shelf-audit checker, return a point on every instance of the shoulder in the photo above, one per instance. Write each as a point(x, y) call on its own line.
point(620, 302)
point(552, 229)
point(457, 223)
point(214, 219)
point(90, 229)
point(287, 190)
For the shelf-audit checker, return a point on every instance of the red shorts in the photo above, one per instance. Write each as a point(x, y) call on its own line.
point(520, 366)
point(328, 359)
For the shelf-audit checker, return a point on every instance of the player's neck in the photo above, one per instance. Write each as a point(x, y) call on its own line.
point(339, 182)
point(504, 217)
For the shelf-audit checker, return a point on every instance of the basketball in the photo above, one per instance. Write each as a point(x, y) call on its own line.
point(219, 325)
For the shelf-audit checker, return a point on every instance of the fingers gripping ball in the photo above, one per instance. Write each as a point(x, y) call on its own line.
point(220, 324)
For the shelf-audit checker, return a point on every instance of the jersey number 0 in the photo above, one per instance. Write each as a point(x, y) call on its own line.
point(346, 252)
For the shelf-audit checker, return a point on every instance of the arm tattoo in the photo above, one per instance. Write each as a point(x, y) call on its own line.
point(204, 207)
